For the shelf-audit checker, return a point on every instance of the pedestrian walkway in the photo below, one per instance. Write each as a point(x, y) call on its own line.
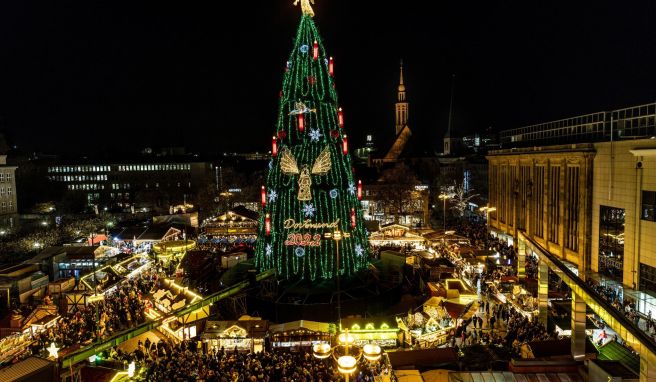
point(644, 301)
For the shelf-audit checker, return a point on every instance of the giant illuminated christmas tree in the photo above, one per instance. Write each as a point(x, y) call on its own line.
point(310, 189)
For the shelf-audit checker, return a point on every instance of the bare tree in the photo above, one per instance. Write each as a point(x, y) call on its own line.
point(459, 197)
point(396, 188)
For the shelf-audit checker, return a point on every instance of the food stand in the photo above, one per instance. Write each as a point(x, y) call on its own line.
point(301, 334)
point(244, 335)
point(372, 330)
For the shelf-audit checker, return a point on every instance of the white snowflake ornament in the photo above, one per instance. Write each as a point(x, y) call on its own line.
point(315, 135)
point(351, 188)
point(273, 196)
point(308, 210)
point(268, 250)
point(359, 250)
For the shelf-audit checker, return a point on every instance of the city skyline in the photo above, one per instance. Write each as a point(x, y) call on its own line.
point(80, 80)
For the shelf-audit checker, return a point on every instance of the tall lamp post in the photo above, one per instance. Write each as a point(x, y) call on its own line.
point(486, 210)
point(337, 235)
point(347, 354)
point(444, 197)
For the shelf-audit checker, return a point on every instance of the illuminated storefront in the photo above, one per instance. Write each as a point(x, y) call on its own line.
point(244, 335)
point(301, 334)
point(372, 331)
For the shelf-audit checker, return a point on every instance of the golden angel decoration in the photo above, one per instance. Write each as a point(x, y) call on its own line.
point(305, 7)
point(321, 166)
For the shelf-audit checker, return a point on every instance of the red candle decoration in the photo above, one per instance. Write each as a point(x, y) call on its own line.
point(344, 145)
point(267, 224)
point(340, 117)
point(263, 196)
point(274, 146)
point(331, 71)
point(301, 122)
point(359, 190)
point(352, 217)
point(315, 51)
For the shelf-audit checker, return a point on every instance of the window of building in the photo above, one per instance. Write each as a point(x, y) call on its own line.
point(9, 191)
point(2, 176)
point(554, 204)
point(647, 278)
point(648, 206)
point(572, 208)
point(2, 191)
point(11, 205)
point(611, 241)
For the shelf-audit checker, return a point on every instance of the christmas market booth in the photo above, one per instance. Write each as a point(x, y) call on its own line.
point(301, 334)
point(167, 251)
point(429, 327)
point(239, 222)
point(441, 238)
point(396, 235)
point(507, 290)
point(171, 298)
point(244, 335)
point(372, 330)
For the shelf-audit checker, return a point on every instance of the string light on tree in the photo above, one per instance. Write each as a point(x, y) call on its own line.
point(312, 173)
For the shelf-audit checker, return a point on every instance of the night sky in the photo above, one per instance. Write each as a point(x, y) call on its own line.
point(100, 77)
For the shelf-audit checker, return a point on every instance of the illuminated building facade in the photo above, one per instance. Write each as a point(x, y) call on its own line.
point(132, 184)
point(8, 203)
point(590, 202)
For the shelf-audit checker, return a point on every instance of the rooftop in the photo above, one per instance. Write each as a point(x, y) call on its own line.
point(635, 122)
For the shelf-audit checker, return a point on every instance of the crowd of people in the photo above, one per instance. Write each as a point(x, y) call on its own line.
point(185, 361)
point(120, 309)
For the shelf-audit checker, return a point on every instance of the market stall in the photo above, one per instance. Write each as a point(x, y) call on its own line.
point(301, 334)
point(244, 335)
point(372, 330)
point(429, 327)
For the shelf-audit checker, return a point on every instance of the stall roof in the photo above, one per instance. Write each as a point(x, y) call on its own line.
point(408, 376)
point(255, 328)
point(25, 369)
point(422, 358)
point(313, 326)
point(378, 322)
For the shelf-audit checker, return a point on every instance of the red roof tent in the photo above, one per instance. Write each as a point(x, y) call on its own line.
point(96, 239)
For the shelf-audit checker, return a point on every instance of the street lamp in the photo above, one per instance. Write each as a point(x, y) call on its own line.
point(346, 360)
point(444, 197)
point(337, 235)
point(486, 210)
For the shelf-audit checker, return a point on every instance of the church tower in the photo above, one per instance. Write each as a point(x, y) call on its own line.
point(401, 105)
